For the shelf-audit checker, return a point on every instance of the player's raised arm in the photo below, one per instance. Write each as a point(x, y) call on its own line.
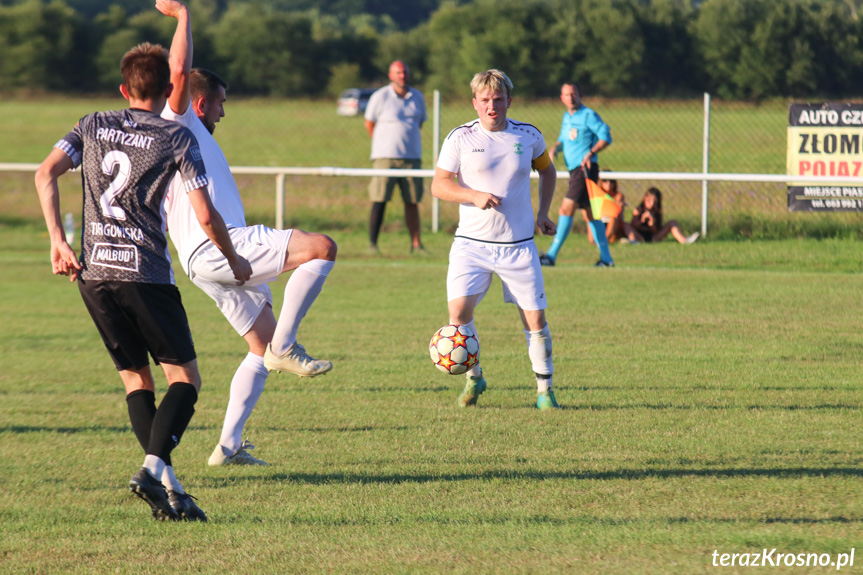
point(181, 53)
point(63, 258)
point(214, 226)
point(445, 187)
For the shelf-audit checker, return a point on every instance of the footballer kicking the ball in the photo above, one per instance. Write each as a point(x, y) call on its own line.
point(485, 166)
point(197, 102)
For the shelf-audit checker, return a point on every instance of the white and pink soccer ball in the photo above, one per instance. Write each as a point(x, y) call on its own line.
point(454, 349)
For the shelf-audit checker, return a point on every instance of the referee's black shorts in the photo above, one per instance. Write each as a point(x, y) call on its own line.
point(137, 319)
point(577, 191)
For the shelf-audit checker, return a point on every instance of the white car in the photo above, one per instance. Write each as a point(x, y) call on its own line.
point(353, 101)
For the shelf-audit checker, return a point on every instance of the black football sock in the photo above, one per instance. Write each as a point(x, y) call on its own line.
point(173, 416)
point(142, 409)
point(376, 221)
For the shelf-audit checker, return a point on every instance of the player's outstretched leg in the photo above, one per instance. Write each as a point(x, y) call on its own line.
point(284, 353)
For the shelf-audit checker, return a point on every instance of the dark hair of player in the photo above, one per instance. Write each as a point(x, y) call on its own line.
point(204, 83)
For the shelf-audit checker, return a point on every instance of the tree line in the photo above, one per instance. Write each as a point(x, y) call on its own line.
point(735, 49)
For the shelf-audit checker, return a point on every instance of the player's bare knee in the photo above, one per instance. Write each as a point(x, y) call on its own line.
point(320, 247)
point(328, 249)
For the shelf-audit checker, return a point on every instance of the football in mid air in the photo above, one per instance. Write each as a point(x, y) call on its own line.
point(454, 349)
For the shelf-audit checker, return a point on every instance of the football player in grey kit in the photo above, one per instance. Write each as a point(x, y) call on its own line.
point(124, 273)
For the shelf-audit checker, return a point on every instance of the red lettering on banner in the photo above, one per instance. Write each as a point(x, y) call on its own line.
point(840, 169)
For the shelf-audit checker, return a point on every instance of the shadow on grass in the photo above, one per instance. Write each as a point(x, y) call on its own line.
point(728, 388)
point(16, 222)
point(532, 475)
point(582, 520)
point(342, 429)
point(84, 429)
point(64, 430)
point(750, 407)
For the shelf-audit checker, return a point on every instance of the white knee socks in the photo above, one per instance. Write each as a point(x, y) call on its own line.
point(539, 351)
point(246, 388)
point(303, 288)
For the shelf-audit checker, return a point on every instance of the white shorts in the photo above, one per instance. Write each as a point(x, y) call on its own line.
point(471, 265)
point(265, 249)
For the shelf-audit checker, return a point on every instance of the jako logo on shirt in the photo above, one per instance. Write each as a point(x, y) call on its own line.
point(477, 150)
point(518, 149)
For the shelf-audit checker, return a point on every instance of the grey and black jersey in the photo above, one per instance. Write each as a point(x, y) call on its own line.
point(128, 158)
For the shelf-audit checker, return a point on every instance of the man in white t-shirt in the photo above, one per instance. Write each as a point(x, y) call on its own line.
point(485, 166)
point(197, 102)
point(394, 116)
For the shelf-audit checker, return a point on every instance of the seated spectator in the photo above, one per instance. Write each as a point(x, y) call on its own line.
point(613, 226)
point(646, 224)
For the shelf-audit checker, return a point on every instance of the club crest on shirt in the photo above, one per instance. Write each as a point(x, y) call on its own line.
point(518, 149)
point(196, 153)
point(573, 134)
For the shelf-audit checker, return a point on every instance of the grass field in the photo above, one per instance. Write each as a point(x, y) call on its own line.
point(710, 393)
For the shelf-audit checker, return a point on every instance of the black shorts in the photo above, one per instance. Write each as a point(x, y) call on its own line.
point(577, 191)
point(137, 319)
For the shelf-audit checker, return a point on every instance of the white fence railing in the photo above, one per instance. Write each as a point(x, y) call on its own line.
point(326, 171)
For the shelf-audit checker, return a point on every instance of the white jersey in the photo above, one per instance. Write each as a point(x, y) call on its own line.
point(498, 163)
point(183, 226)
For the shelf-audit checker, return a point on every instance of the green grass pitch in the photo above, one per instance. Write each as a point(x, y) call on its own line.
point(710, 393)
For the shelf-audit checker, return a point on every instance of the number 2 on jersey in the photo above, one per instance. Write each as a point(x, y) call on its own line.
point(111, 160)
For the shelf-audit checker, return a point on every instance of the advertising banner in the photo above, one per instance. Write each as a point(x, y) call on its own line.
point(824, 140)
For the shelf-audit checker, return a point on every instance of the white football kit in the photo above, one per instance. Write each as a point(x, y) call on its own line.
point(264, 248)
point(498, 240)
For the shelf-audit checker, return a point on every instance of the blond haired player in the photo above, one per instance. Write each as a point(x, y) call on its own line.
point(485, 166)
